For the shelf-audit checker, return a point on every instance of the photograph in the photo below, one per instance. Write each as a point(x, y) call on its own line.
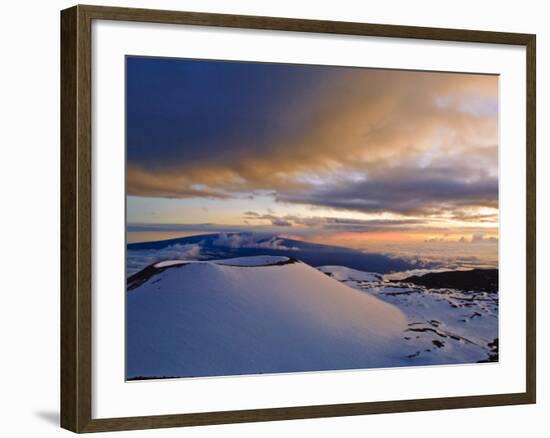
point(285, 218)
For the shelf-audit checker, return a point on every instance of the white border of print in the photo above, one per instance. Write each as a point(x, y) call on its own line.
point(113, 397)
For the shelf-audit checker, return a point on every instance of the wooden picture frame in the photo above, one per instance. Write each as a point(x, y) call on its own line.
point(76, 218)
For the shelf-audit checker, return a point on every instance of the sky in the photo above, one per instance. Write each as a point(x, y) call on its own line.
point(366, 158)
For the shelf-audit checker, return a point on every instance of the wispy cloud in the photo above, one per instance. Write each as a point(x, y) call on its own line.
point(136, 260)
point(251, 240)
point(406, 190)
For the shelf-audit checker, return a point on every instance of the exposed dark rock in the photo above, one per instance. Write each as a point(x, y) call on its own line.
point(145, 274)
point(493, 354)
point(395, 294)
point(484, 280)
point(288, 261)
point(438, 344)
point(427, 329)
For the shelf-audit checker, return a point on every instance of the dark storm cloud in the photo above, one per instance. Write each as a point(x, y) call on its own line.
point(407, 191)
point(196, 112)
point(336, 223)
point(346, 138)
point(281, 223)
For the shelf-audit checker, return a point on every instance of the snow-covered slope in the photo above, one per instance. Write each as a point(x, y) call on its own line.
point(342, 273)
point(445, 325)
point(254, 315)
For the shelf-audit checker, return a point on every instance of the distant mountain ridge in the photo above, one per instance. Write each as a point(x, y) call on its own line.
point(225, 245)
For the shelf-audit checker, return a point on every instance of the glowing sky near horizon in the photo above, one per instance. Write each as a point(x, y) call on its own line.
point(350, 156)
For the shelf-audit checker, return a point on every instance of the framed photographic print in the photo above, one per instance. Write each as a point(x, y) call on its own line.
point(269, 218)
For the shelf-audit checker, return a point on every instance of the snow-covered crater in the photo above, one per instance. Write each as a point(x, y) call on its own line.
point(254, 315)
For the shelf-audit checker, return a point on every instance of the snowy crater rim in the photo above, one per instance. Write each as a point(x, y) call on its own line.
point(253, 261)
